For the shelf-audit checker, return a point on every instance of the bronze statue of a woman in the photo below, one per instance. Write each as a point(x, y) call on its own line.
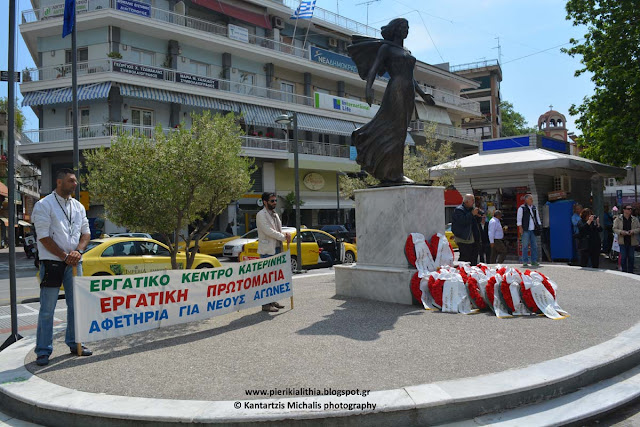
point(380, 143)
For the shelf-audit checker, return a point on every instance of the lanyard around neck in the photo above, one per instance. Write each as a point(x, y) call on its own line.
point(68, 217)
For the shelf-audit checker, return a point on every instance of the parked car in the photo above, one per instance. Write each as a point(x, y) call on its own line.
point(132, 255)
point(312, 241)
point(340, 232)
point(449, 234)
point(233, 248)
point(145, 235)
point(211, 244)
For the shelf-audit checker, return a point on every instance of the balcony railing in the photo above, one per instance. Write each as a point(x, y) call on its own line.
point(108, 130)
point(169, 75)
point(458, 102)
point(473, 65)
point(334, 18)
point(444, 131)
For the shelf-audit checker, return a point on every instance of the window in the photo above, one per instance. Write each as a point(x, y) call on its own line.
point(120, 249)
point(247, 82)
point(307, 237)
point(144, 57)
point(153, 249)
point(83, 123)
point(199, 68)
point(83, 55)
point(142, 120)
point(289, 90)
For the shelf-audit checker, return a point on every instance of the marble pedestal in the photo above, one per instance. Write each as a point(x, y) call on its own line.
point(384, 219)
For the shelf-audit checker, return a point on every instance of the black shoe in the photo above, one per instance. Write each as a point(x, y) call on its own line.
point(269, 308)
point(276, 305)
point(85, 351)
point(42, 360)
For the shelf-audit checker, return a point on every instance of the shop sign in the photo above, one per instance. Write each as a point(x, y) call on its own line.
point(333, 59)
point(556, 195)
point(313, 181)
point(193, 80)
point(137, 70)
point(344, 105)
point(235, 32)
point(58, 9)
point(137, 8)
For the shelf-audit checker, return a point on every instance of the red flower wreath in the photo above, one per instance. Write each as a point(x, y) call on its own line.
point(501, 271)
point(435, 288)
point(527, 296)
point(463, 273)
point(491, 284)
point(415, 287)
point(410, 251)
point(474, 292)
point(506, 295)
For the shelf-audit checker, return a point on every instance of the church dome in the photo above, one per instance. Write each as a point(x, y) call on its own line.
point(552, 119)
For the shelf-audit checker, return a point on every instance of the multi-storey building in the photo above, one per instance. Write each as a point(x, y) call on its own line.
point(158, 62)
point(489, 74)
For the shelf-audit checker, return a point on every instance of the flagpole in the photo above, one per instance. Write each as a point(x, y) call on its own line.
point(293, 39)
point(74, 101)
point(306, 34)
point(11, 187)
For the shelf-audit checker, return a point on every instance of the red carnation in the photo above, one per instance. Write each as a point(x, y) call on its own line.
point(506, 295)
point(463, 273)
point(527, 298)
point(474, 293)
point(415, 287)
point(435, 288)
point(491, 284)
point(410, 251)
point(501, 271)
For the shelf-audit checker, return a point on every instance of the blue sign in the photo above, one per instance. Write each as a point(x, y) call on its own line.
point(137, 8)
point(333, 59)
point(353, 153)
point(619, 196)
point(554, 144)
point(505, 143)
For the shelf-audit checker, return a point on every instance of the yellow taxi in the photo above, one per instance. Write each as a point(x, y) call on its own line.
point(310, 244)
point(132, 255)
point(212, 243)
point(449, 234)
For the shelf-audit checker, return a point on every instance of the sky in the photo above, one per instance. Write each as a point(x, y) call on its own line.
point(535, 73)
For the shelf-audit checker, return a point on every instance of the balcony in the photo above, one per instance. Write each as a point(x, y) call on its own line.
point(168, 75)
point(447, 133)
point(446, 99)
point(109, 130)
point(474, 65)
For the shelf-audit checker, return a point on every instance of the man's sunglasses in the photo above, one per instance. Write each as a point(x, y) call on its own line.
point(273, 201)
point(627, 209)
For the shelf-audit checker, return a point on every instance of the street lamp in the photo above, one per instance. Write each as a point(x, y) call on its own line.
point(635, 178)
point(338, 174)
point(286, 119)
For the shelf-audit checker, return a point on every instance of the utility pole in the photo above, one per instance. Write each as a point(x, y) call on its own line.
point(367, 3)
point(499, 50)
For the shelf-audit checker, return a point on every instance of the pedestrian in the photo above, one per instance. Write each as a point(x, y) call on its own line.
point(270, 236)
point(230, 228)
point(575, 219)
point(485, 247)
point(529, 227)
point(627, 228)
point(607, 226)
point(589, 241)
point(63, 234)
point(464, 227)
point(496, 239)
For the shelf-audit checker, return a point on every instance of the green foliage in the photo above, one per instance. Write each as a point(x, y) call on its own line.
point(19, 116)
point(610, 51)
point(416, 165)
point(513, 123)
point(114, 55)
point(182, 177)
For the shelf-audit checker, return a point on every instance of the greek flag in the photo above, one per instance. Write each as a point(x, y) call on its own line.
point(305, 10)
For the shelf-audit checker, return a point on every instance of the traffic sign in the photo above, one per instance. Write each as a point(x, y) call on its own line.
point(4, 76)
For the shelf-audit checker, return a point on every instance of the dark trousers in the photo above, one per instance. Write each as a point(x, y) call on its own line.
point(627, 254)
point(485, 253)
point(468, 252)
point(498, 252)
point(592, 254)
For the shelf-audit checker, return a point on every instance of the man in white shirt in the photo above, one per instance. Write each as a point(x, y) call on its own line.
point(528, 220)
point(63, 234)
point(496, 239)
point(270, 236)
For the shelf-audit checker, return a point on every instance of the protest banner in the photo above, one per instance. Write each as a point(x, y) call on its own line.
point(114, 306)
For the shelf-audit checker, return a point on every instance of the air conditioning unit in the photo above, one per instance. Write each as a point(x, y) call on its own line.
point(333, 42)
point(277, 22)
point(562, 183)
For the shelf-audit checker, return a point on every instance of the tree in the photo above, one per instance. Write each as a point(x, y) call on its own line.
point(513, 123)
point(416, 165)
point(20, 119)
point(290, 207)
point(610, 50)
point(183, 177)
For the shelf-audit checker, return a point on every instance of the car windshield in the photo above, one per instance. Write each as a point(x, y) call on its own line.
point(253, 234)
point(448, 227)
point(92, 244)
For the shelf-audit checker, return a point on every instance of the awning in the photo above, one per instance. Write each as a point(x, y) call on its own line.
point(409, 140)
point(432, 114)
point(321, 124)
point(258, 19)
point(452, 198)
point(177, 97)
point(4, 191)
point(261, 116)
point(63, 95)
point(24, 223)
point(210, 103)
